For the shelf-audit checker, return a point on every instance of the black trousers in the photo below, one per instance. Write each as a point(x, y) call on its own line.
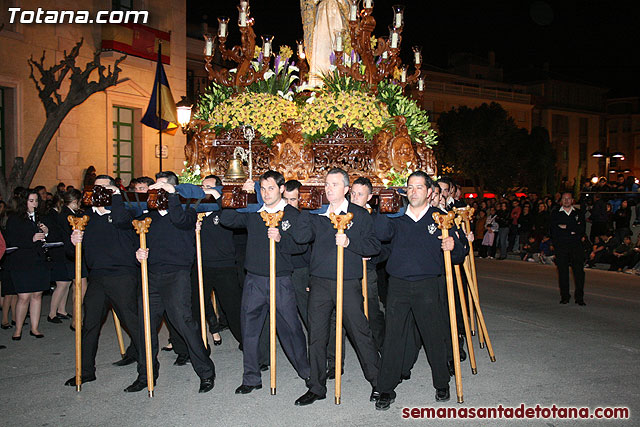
point(254, 313)
point(376, 321)
point(224, 281)
point(300, 279)
point(322, 302)
point(423, 299)
point(171, 292)
point(104, 292)
point(570, 254)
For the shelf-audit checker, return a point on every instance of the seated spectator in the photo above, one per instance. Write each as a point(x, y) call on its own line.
point(546, 256)
point(597, 253)
point(586, 246)
point(530, 249)
point(622, 255)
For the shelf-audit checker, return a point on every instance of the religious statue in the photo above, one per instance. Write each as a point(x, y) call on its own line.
point(321, 20)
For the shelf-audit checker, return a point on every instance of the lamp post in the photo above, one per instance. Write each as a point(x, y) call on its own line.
point(607, 159)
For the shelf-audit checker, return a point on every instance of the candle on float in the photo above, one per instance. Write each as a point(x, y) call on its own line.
point(223, 23)
point(266, 45)
point(417, 55)
point(398, 16)
point(353, 11)
point(368, 4)
point(242, 18)
point(403, 74)
point(394, 39)
point(421, 84)
point(339, 42)
point(208, 45)
point(301, 54)
point(385, 54)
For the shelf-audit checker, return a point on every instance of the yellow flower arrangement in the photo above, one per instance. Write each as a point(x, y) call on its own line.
point(263, 111)
point(256, 52)
point(285, 52)
point(332, 111)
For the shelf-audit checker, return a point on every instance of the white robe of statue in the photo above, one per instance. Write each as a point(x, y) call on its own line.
point(330, 17)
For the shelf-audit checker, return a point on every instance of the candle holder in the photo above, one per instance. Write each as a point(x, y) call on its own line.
point(242, 55)
point(379, 62)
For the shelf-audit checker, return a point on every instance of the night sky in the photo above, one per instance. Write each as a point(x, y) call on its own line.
point(593, 41)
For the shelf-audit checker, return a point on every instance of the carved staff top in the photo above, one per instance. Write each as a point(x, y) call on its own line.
point(465, 213)
point(78, 223)
point(444, 221)
point(341, 222)
point(271, 220)
point(142, 227)
point(201, 216)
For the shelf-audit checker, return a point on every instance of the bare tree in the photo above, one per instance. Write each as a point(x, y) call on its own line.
point(56, 107)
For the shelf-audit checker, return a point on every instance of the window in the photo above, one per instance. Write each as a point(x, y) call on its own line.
point(123, 143)
point(2, 137)
point(123, 5)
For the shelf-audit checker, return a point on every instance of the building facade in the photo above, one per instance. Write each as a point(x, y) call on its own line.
point(104, 131)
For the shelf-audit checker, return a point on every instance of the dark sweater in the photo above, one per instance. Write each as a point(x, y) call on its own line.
point(320, 230)
point(29, 255)
point(416, 253)
point(574, 227)
point(257, 254)
point(218, 249)
point(172, 238)
point(109, 243)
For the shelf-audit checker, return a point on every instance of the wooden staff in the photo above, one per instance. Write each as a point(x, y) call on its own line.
point(464, 214)
point(340, 222)
point(482, 325)
point(444, 223)
point(203, 323)
point(142, 227)
point(364, 289)
point(116, 322)
point(271, 220)
point(78, 224)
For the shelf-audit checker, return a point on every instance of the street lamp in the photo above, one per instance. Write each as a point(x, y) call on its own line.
point(607, 159)
point(184, 112)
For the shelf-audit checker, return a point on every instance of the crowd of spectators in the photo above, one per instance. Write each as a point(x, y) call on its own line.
point(520, 225)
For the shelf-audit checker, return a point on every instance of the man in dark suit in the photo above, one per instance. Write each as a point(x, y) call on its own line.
point(567, 229)
point(358, 241)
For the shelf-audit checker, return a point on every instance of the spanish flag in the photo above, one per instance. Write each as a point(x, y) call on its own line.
point(161, 105)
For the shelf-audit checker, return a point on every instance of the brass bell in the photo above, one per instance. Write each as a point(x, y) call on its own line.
point(235, 170)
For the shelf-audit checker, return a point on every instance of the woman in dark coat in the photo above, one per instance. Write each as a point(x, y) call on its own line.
point(27, 265)
point(63, 267)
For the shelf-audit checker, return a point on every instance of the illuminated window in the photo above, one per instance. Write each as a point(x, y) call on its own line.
point(123, 143)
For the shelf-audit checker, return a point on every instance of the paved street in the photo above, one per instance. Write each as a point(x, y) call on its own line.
point(546, 354)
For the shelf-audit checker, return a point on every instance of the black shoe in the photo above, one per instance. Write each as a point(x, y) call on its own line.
point(206, 384)
point(442, 394)
point(18, 338)
point(384, 401)
point(463, 354)
point(36, 335)
point(582, 303)
point(404, 377)
point(182, 360)
point(452, 368)
point(137, 385)
point(127, 360)
point(2, 347)
point(53, 319)
point(6, 326)
point(167, 348)
point(67, 316)
point(13, 323)
point(73, 328)
point(246, 389)
point(564, 301)
point(85, 379)
point(217, 342)
point(308, 398)
point(375, 395)
point(264, 367)
point(331, 373)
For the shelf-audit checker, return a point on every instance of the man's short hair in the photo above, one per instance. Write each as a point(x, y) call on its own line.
point(275, 175)
point(345, 175)
point(446, 180)
point(172, 178)
point(427, 180)
point(145, 180)
point(292, 185)
point(216, 177)
point(366, 182)
point(111, 180)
